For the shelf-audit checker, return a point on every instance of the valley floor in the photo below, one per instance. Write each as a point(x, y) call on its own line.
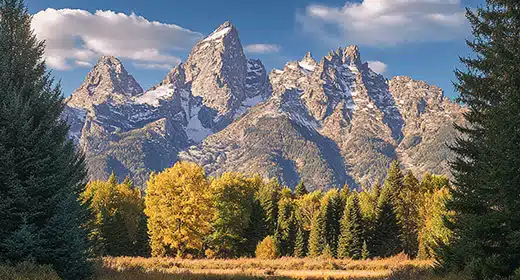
point(285, 268)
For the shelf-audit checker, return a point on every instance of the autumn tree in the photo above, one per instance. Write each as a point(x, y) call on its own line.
point(432, 230)
point(118, 223)
point(179, 206)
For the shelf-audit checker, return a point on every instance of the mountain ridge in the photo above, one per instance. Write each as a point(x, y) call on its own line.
point(328, 122)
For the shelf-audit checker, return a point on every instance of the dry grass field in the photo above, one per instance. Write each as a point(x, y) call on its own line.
point(399, 267)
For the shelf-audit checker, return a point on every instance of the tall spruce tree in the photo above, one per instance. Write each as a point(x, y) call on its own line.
point(332, 218)
point(407, 210)
point(41, 175)
point(300, 189)
point(395, 179)
point(318, 233)
point(269, 196)
point(300, 246)
point(286, 226)
point(486, 190)
point(350, 244)
point(256, 231)
point(387, 230)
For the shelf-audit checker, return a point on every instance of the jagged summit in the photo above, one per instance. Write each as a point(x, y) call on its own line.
point(224, 30)
point(107, 81)
point(217, 70)
point(351, 55)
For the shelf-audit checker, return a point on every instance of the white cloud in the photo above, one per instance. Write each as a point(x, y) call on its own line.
point(80, 63)
point(154, 66)
point(386, 22)
point(262, 48)
point(377, 66)
point(75, 38)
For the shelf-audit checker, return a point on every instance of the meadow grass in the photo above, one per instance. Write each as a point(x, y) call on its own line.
point(398, 267)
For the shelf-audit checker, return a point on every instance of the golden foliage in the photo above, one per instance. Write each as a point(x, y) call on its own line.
point(179, 209)
point(268, 249)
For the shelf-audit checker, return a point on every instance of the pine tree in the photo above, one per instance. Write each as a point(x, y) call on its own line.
point(300, 247)
point(256, 231)
point(300, 189)
point(317, 236)
point(41, 175)
point(387, 240)
point(350, 243)
point(336, 206)
point(365, 254)
point(395, 179)
point(286, 227)
point(486, 192)
point(407, 210)
point(232, 199)
point(269, 196)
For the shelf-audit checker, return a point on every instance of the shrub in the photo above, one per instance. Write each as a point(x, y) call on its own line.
point(268, 248)
point(28, 271)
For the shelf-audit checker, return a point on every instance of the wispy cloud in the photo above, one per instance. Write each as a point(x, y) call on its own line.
point(154, 66)
point(75, 38)
point(262, 48)
point(385, 22)
point(377, 66)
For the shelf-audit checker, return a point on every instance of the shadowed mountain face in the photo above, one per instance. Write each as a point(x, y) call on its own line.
point(328, 122)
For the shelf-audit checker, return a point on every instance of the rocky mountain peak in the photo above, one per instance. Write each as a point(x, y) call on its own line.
point(308, 62)
point(351, 55)
point(223, 32)
point(107, 81)
point(217, 70)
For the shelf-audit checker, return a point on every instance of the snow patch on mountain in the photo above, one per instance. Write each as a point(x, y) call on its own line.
point(153, 97)
point(218, 34)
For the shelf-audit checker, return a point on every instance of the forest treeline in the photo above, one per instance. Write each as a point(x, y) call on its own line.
point(186, 214)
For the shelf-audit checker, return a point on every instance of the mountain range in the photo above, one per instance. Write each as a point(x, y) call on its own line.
point(328, 122)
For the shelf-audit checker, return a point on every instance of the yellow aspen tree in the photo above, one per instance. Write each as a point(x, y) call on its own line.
point(179, 209)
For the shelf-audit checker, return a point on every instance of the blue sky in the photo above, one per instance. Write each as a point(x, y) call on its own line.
point(419, 38)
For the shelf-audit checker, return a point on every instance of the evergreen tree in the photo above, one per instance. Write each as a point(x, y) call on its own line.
point(387, 230)
point(232, 199)
point(351, 243)
point(286, 227)
point(395, 179)
point(317, 236)
point(375, 191)
point(300, 189)
point(269, 196)
point(41, 175)
point(336, 206)
point(365, 254)
point(256, 231)
point(485, 196)
point(300, 247)
point(407, 209)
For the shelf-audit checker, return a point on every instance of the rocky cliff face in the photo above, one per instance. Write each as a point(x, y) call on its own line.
point(328, 122)
point(131, 132)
